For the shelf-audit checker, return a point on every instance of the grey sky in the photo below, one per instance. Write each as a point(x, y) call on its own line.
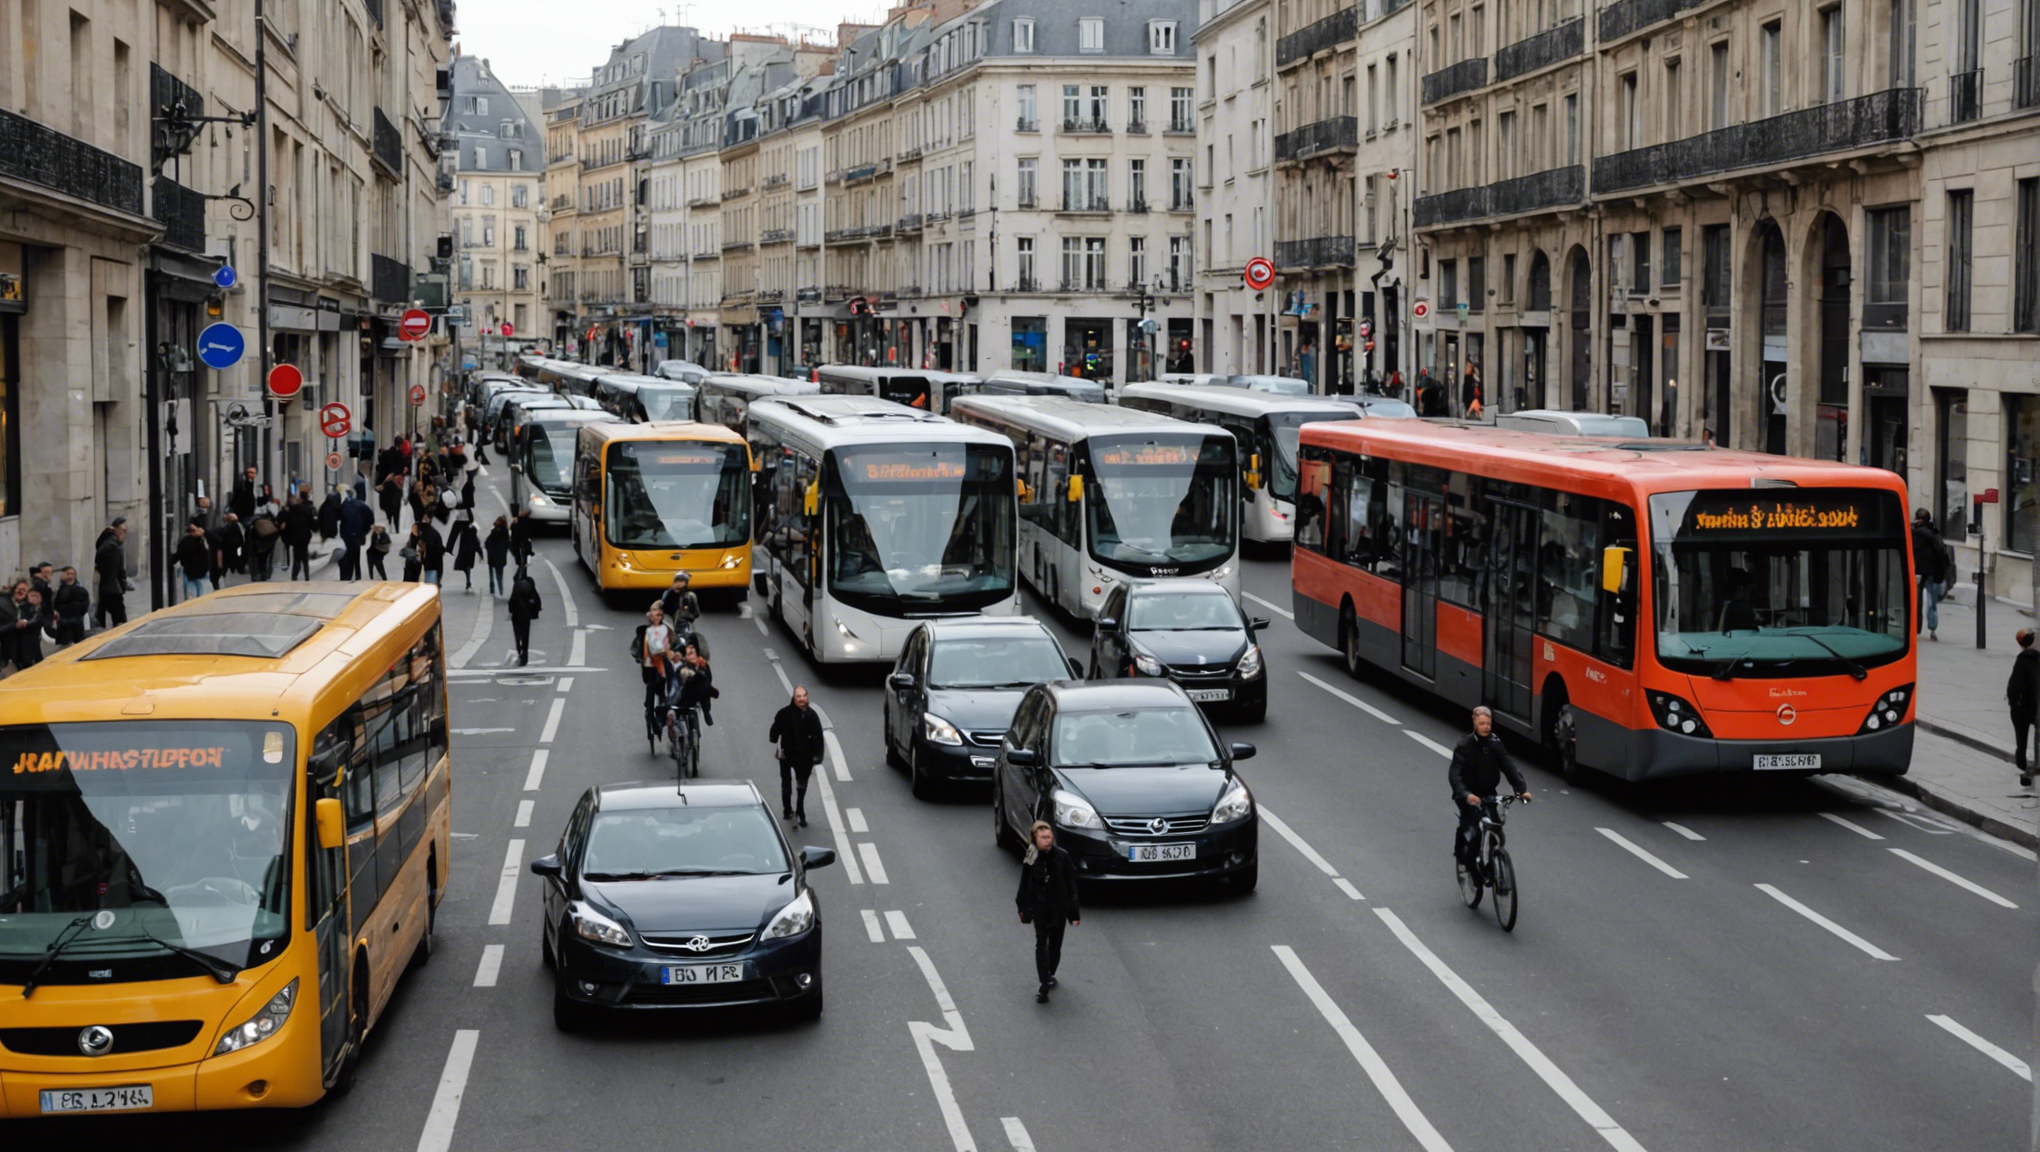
point(531, 42)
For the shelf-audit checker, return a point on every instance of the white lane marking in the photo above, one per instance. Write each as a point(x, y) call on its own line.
point(577, 649)
point(1552, 1075)
point(484, 617)
point(897, 922)
point(571, 610)
point(872, 867)
point(566, 683)
point(522, 673)
point(438, 1134)
point(1287, 833)
point(1364, 1054)
point(506, 884)
point(744, 610)
point(871, 926)
point(1355, 701)
point(552, 720)
point(523, 814)
point(1271, 606)
point(1640, 854)
point(492, 963)
point(784, 683)
point(835, 748)
point(1932, 825)
point(856, 818)
point(760, 622)
point(1016, 1134)
point(955, 1037)
point(1872, 950)
point(1989, 1049)
point(1682, 830)
point(480, 731)
point(1952, 878)
point(537, 773)
point(1346, 886)
point(1851, 825)
point(837, 830)
point(1427, 742)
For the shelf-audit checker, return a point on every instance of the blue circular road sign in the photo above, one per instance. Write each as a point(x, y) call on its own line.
point(224, 277)
point(221, 346)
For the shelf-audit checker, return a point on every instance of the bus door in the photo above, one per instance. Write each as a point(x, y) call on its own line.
point(326, 898)
point(1508, 609)
point(1424, 528)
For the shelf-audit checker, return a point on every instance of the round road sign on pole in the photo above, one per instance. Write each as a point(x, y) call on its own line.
point(417, 395)
point(335, 420)
point(1260, 273)
point(223, 277)
point(413, 327)
point(285, 381)
point(506, 328)
point(1421, 309)
point(333, 461)
point(220, 346)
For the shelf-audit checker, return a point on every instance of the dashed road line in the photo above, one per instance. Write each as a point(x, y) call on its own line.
point(872, 867)
point(1989, 1049)
point(577, 649)
point(897, 922)
point(1370, 1061)
point(552, 720)
point(533, 778)
point(492, 963)
point(1271, 606)
point(1355, 701)
point(1682, 830)
point(762, 629)
point(1346, 886)
point(835, 748)
point(438, 1134)
point(954, 1037)
point(1427, 742)
point(565, 685)
point(856, 818)
point(506, 885)
point(1016, 1134)
point(1959, 881)
point(1638, 852)
point(871, 925)
point(1872, 950)
point(1851, 825)
point(1297, 842)
point(523, 814)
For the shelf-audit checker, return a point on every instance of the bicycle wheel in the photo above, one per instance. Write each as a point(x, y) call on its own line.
point(1469, 884)
point(1505, 891)
point(693, 750)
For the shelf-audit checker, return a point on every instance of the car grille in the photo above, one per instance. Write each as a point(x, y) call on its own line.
point(735, 991)
point(676, 942)
point(1198, 672)
point(150, 1037)
point(986, 737)
point(1140, 825)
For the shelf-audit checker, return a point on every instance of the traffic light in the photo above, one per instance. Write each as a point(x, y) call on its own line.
point(446, 247)
point(215, 306)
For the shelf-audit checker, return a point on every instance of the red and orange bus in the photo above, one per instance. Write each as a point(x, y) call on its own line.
point(1644, 609)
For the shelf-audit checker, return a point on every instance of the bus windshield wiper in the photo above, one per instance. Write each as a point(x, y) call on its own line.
point(1855, 669)
point(56, 949)
point(215, 967)
point(1725, 669)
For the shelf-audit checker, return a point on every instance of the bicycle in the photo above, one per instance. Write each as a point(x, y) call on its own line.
point(683, 739)
point(1492, 867)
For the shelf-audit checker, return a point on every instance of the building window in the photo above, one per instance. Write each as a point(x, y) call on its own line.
point(1161, 37)
point(1389, 95)
point(1832, 84)
point(1671, 99)
point(1890, 271)
point(1771, 69)
point(1073, 105)
point(1631, 114)
point(1476, 284)
point(1179, 263)
point(1572, 129)
point(1094, 108)
point(1961, 211)
point(1091, 34)
point(488, 195)
point(2026, 258)
point(1136, 261)
point(1714, 272)
point(1179, 183)
point(1027, 181)
point(1094, 263)
point(1136, 109)
point(1508, 295)
point(1900, 58)
point(1668, 269)
point(1028, 112)
point(1030, 343)
point(1448, 284)
point(1179, 110)
point(1024, 249)
point(1023, 35)
point(1639, 248)
point(2022, 446)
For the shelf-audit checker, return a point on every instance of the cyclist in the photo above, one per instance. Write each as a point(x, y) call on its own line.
point(1478, 764)
point(697, 684)
point(682, 609)
point(652, 648)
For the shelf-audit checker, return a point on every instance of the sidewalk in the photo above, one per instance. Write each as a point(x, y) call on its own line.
point(1962, 762)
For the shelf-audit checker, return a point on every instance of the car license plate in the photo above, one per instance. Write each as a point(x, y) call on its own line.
point(1211, 695)
point(126, 1099)
point(702, 974)
point(1793, 761)
point(1158, 853)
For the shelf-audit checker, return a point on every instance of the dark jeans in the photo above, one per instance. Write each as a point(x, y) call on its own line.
point(522, 630)
point(2022, 725)
point(1466, 838)
point(1048, 938)
point(301, 560)
point(112, 609)
point(789, 800)
point(350, 562)
point(375, 564)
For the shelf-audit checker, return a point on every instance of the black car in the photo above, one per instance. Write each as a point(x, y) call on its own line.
point(951, 696)
point(665, 897)
point(1134, 780)
point(1190, 631)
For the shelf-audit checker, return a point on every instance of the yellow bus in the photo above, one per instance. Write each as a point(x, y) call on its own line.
point(223, 836)
point(654, 499)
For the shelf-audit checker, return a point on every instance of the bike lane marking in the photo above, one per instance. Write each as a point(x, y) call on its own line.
point(954, 1037)
point(491, 965)
point(506, 885)
point(552, 720)
point(1952, 878)
point(1851, 825)
point(897, 921)
point(871, 926)
point(1016, 1134)
point(533, 778)
point(1370, 1061)
point(1872, 950)
point(568, 608)
point(1355, 701)
point(1682, 830)
point(1271, 606)
point(1989, 1049)
point(1638, 852)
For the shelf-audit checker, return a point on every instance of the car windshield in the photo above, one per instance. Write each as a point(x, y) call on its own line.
point(916, 526)
point(1285, 430)
point(1182, 612)
point(678, 494)
point(666, 403)
point(549, 456)
point(176, 830)
point(1779, 582)
point(1167, 499)
point(996, 663)
point(1149, 736)
point(651, 842)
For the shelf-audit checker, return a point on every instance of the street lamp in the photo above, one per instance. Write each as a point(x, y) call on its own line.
point(1150, 300)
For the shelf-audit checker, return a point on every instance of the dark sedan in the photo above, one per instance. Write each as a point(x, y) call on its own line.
point(1187, 630)
point(952, 693)
point(1134, 780)
point(664, 897)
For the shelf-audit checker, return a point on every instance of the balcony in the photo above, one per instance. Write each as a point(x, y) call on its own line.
point(1184, 203)
point(907, 154)
point(1318, 252)
point(1338, 134)
point(1446, 83)
point(735, 193)
point(775, 236)
point(704, 201)
point(1625, 16)
point(771, 295)
point(1026, 124)
point(562, 158)
point(1965, 96)
point(835, 291)
point(911, 222)
point(1541, 190)
point(389, 147)
point(1305, 42)
point(389, 279)
point(181, 212)
point(1086, 204)
point(911, 292)
point(1139, 206)
point(1026, 284)
point(808, 296)
point(863, 173)
point(774, 180)
point(562, 203)
point(1542, 50)
point(1879, 118)
point(2026, 82)
point(1182, 128)
point(1028, 202)
point(1088, 125)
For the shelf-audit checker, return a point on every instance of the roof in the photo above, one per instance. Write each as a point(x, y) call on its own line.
point(1070, 418)
point(1238, 401)
point(838, 420)
point(970, 626)
point(1113, 695)
point(611, 431)
point(641, 795)
point(1194, 585)
point(566, 416)
point(757, 386)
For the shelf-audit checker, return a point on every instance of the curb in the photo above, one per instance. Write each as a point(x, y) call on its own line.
point(1965, 738)
point(2024, 837)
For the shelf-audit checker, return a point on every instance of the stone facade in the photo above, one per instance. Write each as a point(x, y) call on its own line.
point(497, 168)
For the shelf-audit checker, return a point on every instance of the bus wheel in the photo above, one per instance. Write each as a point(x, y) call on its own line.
point(1565, 740)
point(1349, 641)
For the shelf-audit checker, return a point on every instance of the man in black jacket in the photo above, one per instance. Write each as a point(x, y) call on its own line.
point(109, 565)
point(242, 500)
point(71, 603)
point(1930, 561)
point(2022, 692)
point(1048, 900)
point(300, 520)
point(798, 732)
point(1478, 764)
point(524, 608)
point(194, 560)
point(357, 519)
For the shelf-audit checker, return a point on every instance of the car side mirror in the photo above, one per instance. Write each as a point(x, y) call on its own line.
point(900, 681)
point(1107, 624)
point(1022, 757)
point(546, 866)
point(1257, 622)
point(1241, 750)
point(813, 857)
point(1076, 669)
point(516, 467)
point(332, 823)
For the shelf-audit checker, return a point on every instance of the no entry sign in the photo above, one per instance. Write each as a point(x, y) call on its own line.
point(417, 395)
point(413, 327)
point(335, 420)
point(285, 381)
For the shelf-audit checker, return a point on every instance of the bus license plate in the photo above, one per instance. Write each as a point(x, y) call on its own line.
point(1794, 761)
point(1160, 853)
point(703, 974)
point(1210, 695)
point(126, 1099)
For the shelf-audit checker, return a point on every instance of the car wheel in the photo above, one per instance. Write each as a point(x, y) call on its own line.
point(1002, 835)
point(1565, 734)
point(892, 754)
point(423, 954)
point(1243, 881)
point(567, 1015)
point(923, 785)
point(1349, 630)
point(809, 1007)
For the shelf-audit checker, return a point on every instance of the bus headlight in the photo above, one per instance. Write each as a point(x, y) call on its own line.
point(1218, 576)
point(732, 560)
point(1887, 711)
point(538, 500)
point(260, 1026)
point(936, 730)
point(1675, 715)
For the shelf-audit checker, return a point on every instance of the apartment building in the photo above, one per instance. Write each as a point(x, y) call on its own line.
point(1233, 109)
point(495, 161)
point(563, 219)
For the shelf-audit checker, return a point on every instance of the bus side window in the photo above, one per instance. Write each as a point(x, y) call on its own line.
point(1568, 569)
point(1313, 484)
point(1386, 477)
point(1617, 633)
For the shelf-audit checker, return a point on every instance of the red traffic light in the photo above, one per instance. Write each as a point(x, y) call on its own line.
point(1369, 346)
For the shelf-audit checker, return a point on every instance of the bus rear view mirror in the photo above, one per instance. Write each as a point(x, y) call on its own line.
point(331, 822)
point(811, 500)
point(1076, 489)
point(1614, 569)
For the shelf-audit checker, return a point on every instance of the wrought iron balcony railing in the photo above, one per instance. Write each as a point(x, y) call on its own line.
point(1539, 190)
point(389, 279)
point(1086, 204)
point(1446, 83)
point(1878, 118)
point(2026, 82)
point(1337, 28)
point(1965, 96)
point(1625, 16)
point(1317, 252)
point(1542, 50)
point(389, 146)
point(181, 212)
point(1448, 207)
point(1336, 134)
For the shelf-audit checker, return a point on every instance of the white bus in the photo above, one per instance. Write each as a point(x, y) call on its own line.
point(645, 399)
point(1266, 426)
point(542, 462)
point(1043, 384)
point(724, 397)
point(872, 517)
point(899, 385)
point(1110, 493)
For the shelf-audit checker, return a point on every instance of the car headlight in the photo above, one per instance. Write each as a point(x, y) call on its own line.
point(1146, 665)
point(593, 925)
point(1235, 804)
point(1073, 811)
point(936, 730)
point(1250, 664)
point(795, 918)
point(538, 500)
point(260, 1026)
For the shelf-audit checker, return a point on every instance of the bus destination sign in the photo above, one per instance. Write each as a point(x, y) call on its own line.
point(1793, 512)
point(118, 759)
point(1144, 455)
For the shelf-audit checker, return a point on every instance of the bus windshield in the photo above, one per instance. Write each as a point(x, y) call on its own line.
point(1780, 581)
point(677, 494)
point(916, 526)
point(549, 457)
point(666, 403)
point(137, 839)
point(1283, 430)
point(1165, 499)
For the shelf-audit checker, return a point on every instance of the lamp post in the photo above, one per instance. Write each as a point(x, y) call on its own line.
point(1148, 299)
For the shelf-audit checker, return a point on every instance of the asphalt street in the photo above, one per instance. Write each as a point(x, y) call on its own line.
point(1726, 964)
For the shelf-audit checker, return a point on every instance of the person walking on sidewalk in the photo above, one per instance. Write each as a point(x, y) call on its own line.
point(2022, 692)
point(520, 537)
point(524, 608)
point(1048, 900)
point(497, 551)
point(109, 564)
point(194, 560)
point(798, 732)
point(300, 520)
point(72, 604)
point(356, 520)
point(379, 545)
point(263, 531)
point(1934, 561)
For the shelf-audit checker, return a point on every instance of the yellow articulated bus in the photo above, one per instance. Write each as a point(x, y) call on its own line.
point(223, 835)
point(654, 499)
